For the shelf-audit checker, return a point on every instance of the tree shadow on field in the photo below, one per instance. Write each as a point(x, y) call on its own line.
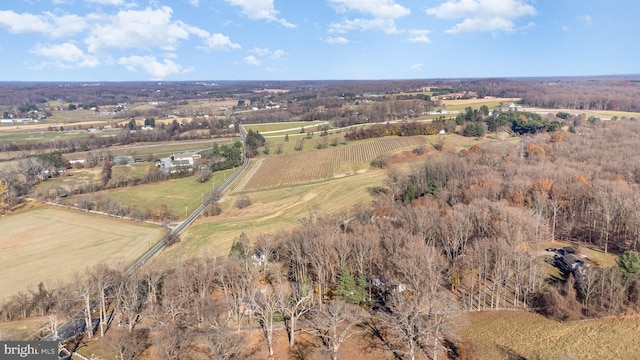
point(510, 354)
point(376, 337)
point(302, 350)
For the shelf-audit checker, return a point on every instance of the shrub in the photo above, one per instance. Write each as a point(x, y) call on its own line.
point(380, 162)
point(243, 201)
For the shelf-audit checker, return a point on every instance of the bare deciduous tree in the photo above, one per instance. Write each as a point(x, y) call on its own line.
point(296, 303)
point(334, 324)
point(129, 299)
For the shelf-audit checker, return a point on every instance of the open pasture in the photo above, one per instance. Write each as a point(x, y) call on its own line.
point(461, 104)
point(286, 127)
point(163, 149)
point(273, 210)
point(179, 195)
point(78, 178)
point(524, 335)
point(49, 244)
point(42, 135)
point(297, 168)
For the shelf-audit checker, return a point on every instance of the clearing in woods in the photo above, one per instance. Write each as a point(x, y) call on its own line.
point(48, 244)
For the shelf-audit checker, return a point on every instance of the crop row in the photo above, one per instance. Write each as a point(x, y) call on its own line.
point(304, 167)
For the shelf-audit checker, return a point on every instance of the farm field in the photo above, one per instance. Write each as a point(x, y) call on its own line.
point(283, 128)
point(456, 105)
point(49, 244)
point(176, 194)
point(290, 169)
point(281, 208)
point(272, 211)
point(524, 335)
point(278, 140)
point(603, 114)
point(77, 178)
point(23, 137)
point(142, 150)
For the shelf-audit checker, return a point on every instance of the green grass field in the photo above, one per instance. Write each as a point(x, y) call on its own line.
point(177, 194)
point(272, 211)
point(524, 335)
point(50, 243)
point(610, 114)
point(23, 137)
point(457, 105)
point(293, 126)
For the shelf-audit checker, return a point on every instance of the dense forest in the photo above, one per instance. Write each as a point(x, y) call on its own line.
point(618, 93)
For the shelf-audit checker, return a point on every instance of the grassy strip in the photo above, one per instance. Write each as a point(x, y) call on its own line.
point(293, 126)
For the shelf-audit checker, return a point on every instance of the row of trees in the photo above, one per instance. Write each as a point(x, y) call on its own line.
point(125, 136)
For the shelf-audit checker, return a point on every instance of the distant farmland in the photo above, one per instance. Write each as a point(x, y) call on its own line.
point(48, 244)
point(298, 168)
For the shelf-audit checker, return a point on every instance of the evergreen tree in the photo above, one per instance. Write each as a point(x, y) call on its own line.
point(351, 289)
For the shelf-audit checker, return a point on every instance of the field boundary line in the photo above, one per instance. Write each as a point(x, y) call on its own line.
point(247, 177)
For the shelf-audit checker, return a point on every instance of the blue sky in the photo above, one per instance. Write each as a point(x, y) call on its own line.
point(131, 40)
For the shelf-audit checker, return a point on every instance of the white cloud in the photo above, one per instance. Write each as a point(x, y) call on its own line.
point(145, 29)
point(386, 9)
point(586, 19)
point(157, 70)
point(379, 15)
point(195, 3)
point(277, 54)
point(337, 40)
point(385, 25)
point(564, 28)
point(260, 10)
point(260, 51)
point(106, 2)
point(66, 55)
point(416, 67)
point(418, 36)
point(212, 41)
point(47, 23)
point(482, 15)
point(219, 42)
point(251, 60)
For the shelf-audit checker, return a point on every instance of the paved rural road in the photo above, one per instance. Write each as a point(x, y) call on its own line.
point(72, 328)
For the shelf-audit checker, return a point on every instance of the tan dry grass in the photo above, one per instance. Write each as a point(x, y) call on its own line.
point(272, 211)
point(297, 168)
point(479, 101)
point(511, 335)
point(590, 252)
point(48, 244)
